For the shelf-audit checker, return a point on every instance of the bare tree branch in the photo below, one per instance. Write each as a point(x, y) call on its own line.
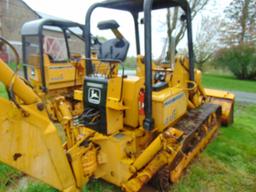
point(175, 28)
point(240, 24)
point(206, 42)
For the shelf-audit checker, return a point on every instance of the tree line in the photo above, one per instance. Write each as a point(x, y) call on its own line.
point(229, 42)
point(226, 43)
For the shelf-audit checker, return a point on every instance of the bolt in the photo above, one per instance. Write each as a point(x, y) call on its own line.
point(40, 106)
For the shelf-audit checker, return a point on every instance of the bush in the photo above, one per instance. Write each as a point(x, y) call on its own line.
point(240, 60)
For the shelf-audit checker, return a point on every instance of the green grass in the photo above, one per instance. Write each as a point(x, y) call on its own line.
point(228, 82)
point(8, 176)
point(100, 186)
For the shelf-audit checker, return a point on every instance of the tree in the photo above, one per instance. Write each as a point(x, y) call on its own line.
point(240, 60)
point(206, 42)
point(177, 29)
point(240, 27)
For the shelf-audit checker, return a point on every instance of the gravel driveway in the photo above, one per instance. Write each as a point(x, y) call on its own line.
point(245, 97)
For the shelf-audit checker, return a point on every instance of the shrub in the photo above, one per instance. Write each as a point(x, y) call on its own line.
point(240, 60)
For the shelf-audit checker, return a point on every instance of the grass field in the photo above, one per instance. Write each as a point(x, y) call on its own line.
point(226, 82)
point(228, 163)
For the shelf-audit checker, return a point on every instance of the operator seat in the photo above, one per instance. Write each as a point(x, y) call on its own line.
point(113, 49)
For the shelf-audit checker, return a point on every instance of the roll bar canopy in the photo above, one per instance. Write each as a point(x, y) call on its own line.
point(137, 5)
point(35, 27)
point(134, 7)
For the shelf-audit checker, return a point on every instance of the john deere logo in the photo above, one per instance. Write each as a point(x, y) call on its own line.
point(94, 95)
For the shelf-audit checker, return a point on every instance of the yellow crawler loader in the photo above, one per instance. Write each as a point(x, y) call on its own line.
point(133, 130)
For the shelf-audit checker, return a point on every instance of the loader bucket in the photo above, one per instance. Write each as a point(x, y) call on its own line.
point(226, 100)
point(29, 143)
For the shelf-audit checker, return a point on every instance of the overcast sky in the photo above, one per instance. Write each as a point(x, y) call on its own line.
point(75, 10)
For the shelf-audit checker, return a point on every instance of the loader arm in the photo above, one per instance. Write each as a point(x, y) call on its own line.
point(28, 139)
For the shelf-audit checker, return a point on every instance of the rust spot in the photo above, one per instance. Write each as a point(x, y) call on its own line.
point(16, 156)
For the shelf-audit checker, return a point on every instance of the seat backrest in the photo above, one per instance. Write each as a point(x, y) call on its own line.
point(114, 49)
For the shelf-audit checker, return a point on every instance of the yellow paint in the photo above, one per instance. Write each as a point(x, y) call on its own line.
point(140, 70)
point(58, 76)
point(147, 154)
point(31, 144)
point(113, 164)
point(132, 87)
point(78, 95)
point(220, 94)
point(168, 106)
point(10, 79)
point(160, 152)
point(84, 162)
point(180, 72)
point(226, 100)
